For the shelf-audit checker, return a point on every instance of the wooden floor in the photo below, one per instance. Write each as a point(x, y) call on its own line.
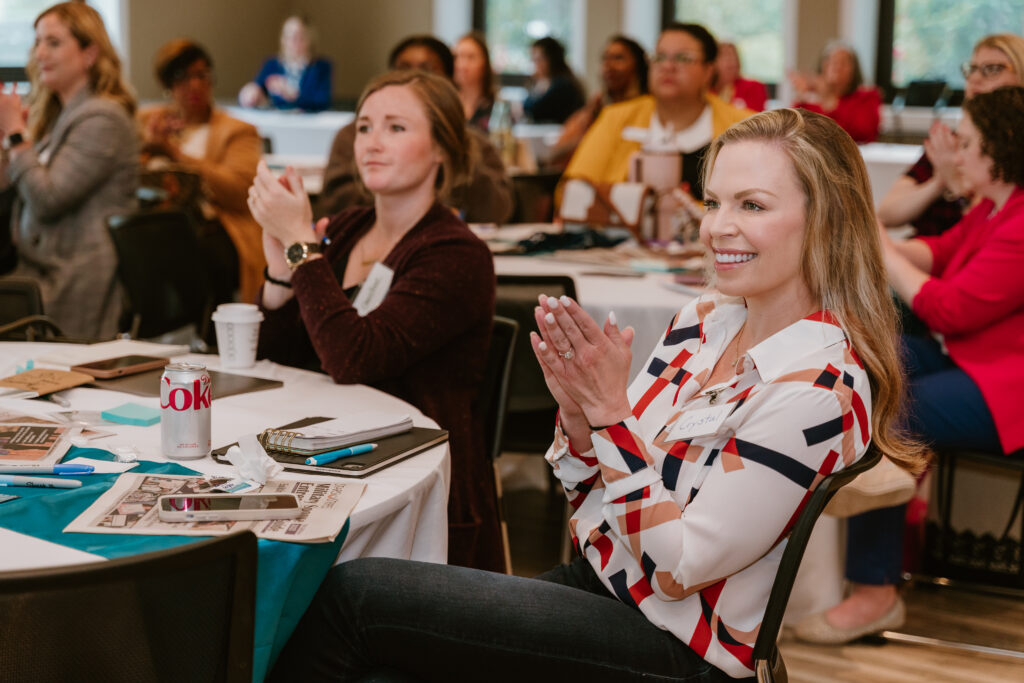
point(535, 537)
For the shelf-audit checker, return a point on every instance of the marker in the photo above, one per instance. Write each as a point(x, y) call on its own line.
point(39, 482)
point(46, 469)
point(325, 458)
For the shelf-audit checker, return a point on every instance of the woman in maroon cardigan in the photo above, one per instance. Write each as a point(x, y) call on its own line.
point(399, 295)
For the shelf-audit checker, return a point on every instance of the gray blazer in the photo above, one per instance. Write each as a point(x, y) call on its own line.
point(68, 183)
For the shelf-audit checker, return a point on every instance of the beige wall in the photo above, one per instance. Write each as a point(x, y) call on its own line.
point(357, 35)
point(239, 34)
point(817, 24)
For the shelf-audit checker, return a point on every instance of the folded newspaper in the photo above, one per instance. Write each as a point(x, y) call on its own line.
point(129, 507)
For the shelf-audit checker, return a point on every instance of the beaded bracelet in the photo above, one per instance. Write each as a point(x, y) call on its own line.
point(273, 280)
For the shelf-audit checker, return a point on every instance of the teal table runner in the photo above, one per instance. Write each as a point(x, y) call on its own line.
point(287, 574)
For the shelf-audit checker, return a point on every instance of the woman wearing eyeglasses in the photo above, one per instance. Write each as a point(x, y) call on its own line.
point(931, 194)
point(680, 112)
point(193, 135)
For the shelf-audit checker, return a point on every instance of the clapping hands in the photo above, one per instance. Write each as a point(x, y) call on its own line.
point(586, 367)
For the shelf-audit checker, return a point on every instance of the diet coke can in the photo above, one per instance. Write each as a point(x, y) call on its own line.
point(185, 411)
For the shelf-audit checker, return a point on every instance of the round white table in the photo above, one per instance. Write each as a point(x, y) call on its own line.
point(402, 513)
point(647, 301)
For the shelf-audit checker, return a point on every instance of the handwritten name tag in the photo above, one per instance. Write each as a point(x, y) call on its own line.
point(374, 289)
point(699, 422)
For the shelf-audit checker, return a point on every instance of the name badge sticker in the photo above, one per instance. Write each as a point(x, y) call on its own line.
point(700, 422)
point(374, 289)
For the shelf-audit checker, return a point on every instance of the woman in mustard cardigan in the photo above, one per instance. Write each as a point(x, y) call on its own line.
point(679, 113)
point(195, 136)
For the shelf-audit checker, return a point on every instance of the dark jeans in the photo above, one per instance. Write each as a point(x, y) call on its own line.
point(946, 409)
point(380, 619)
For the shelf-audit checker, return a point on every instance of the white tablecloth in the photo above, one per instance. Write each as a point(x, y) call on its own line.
point(293, 132)
point(885, 163)
point(647, 301)
point(402, 513)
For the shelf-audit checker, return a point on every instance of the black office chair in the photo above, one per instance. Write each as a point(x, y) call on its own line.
point(768, 664)
point(21, 312)
point(183, 614)
point(491, 406)
point(162, 272)
point(530, 419)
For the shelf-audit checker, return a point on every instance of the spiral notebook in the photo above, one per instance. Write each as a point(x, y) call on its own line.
point(354, 428)
point(390, 450)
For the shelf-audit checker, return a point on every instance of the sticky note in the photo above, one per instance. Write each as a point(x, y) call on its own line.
point(132, 414)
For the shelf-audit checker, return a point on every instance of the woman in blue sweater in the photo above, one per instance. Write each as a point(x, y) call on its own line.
point(293, 79)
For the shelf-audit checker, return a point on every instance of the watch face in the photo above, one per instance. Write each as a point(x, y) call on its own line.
point(295, 253)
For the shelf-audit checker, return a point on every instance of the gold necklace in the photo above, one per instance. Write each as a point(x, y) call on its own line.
point(736, 351)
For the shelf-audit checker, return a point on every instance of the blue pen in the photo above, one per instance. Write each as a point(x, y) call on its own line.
point(46, 469)
point(324, 458)
point(39, 482)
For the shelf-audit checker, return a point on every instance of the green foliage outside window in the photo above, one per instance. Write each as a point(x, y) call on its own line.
point(932, 38)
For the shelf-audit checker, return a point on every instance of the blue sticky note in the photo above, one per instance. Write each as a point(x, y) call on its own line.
point(132, 414)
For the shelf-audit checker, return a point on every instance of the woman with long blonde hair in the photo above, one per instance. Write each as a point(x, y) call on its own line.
point(74, 160)
point(685, 484)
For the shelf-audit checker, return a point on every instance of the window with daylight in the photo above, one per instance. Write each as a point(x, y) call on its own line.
point(932, 38)
point(511, 26)
point(18, 35)
point(755, 26)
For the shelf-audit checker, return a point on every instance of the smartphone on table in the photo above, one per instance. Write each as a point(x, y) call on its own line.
point(120, 366)
point(222, 507)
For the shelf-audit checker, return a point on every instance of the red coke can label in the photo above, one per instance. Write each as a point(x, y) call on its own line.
point(185, 397)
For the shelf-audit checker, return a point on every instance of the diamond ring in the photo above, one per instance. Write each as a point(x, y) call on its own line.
point(568, 355)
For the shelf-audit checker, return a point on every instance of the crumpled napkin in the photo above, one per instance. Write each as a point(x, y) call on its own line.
point(252, 462)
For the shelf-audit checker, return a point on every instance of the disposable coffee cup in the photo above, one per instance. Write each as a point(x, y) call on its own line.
point(238, 330)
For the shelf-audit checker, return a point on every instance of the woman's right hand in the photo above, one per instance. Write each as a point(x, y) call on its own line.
point(251, 95)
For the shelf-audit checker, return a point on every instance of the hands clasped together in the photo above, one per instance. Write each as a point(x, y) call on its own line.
point(282, 208)
point(586, 367)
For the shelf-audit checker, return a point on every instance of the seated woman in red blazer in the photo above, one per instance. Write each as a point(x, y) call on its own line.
point(967, 285)
point(402, 296)
point(838, 91)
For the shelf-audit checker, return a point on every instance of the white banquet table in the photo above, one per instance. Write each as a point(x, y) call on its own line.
point(402, 513)
point(645, 300)
point(295, 132)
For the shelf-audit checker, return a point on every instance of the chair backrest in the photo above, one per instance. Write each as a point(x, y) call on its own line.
point(766, 656)
point(182, 614)
point(494, 388)
point(161, 269)
point(516, 299)
point(19, 298)
point(21, 312)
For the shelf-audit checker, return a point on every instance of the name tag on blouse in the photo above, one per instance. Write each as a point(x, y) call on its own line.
point(699, 422)
point(374, 289)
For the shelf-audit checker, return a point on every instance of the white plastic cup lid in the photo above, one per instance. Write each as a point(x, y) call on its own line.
point(237, 313)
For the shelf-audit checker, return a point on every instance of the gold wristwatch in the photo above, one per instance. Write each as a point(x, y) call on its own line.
point(298, 253)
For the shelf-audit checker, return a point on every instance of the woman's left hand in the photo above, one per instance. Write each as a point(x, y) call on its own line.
point(590, 364)
point(281, 206)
